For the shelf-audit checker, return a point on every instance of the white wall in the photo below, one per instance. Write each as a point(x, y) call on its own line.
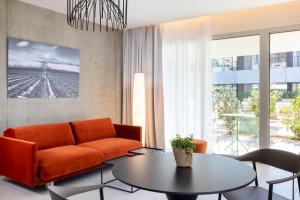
point(280, 15)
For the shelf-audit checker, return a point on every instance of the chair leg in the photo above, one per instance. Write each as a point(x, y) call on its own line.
point(299, 186)
point(220, 196)
point(101, 194)
point(256, 179)
point(293, 189)
point(270, 192)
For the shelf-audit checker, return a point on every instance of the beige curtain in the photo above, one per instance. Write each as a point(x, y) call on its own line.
point(142, 53)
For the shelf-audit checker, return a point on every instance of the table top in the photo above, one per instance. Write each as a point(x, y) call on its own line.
point(146, 150)
point(209, 174)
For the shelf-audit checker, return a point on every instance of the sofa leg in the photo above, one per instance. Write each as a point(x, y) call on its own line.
point(51, 184)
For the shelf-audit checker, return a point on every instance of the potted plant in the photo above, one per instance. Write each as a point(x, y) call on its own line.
point(183, 150)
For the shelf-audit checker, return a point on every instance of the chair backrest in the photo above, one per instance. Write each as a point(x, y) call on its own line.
point(277, 158)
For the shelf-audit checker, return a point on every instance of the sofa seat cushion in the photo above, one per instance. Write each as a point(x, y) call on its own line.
point(90, 130)
point(113, 147)
point(45, 136)
point(61, 161)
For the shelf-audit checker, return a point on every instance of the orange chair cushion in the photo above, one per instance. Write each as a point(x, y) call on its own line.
point(113, 147)
point(45, 136)
point(90, 130)
point(60, 161)
point(201, 146)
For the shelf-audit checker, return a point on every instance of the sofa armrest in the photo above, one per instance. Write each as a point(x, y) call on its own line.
point(18, 160)
point(129, 132)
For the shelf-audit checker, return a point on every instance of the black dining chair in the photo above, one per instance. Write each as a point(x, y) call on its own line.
point(62, 193)
point(277, 158)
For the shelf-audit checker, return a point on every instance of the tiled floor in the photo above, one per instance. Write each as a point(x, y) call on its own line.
point(11, 191)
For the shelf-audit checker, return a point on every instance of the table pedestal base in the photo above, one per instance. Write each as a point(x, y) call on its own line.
point(181, 197)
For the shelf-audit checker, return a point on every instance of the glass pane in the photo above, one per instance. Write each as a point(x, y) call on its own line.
point(285, 91)
point(235, 65)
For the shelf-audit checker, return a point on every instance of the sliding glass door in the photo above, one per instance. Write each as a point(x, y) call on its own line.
point(255, 91)
point(285, 91)
point(235, 66)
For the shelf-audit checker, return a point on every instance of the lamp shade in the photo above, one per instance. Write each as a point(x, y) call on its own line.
point(138, 105)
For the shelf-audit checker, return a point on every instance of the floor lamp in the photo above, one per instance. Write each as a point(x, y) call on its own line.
point(139, 109)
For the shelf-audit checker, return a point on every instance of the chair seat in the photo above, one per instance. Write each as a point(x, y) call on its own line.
point(251, 193)
point(113, 147)
point(60, 161)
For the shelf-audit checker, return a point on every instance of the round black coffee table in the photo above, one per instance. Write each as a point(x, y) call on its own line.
point(210, 174)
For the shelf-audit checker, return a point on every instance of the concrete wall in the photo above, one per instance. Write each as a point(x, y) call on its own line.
point(100, 68)
point(3, 102)
point(279, 15)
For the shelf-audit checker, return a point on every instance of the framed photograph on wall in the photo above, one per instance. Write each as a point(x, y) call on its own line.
point(40, 70)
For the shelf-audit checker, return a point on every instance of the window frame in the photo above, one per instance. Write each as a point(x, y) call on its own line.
point(264, 74)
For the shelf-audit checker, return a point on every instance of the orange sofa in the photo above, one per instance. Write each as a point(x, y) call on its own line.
point(36, 155)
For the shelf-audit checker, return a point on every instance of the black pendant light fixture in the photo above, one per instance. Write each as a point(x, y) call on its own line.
point(81, 14)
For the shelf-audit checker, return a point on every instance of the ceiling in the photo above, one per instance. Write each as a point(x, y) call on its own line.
point(148, 12)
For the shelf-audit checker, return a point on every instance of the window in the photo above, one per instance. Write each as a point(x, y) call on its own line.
point(285, 91)
point(235, 66)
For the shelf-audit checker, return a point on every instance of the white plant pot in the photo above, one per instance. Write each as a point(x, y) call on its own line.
point(183, 159)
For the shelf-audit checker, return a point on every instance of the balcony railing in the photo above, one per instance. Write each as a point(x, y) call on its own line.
point(277, 75)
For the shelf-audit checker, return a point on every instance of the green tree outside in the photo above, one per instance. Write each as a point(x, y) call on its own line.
point(291, 116)
point(225, 102)
point(253, 101)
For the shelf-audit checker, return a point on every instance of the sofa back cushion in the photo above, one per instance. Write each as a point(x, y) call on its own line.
point(46, 136)
point(90, 130)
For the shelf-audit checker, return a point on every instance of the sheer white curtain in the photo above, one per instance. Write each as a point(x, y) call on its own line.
point(187, 78)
